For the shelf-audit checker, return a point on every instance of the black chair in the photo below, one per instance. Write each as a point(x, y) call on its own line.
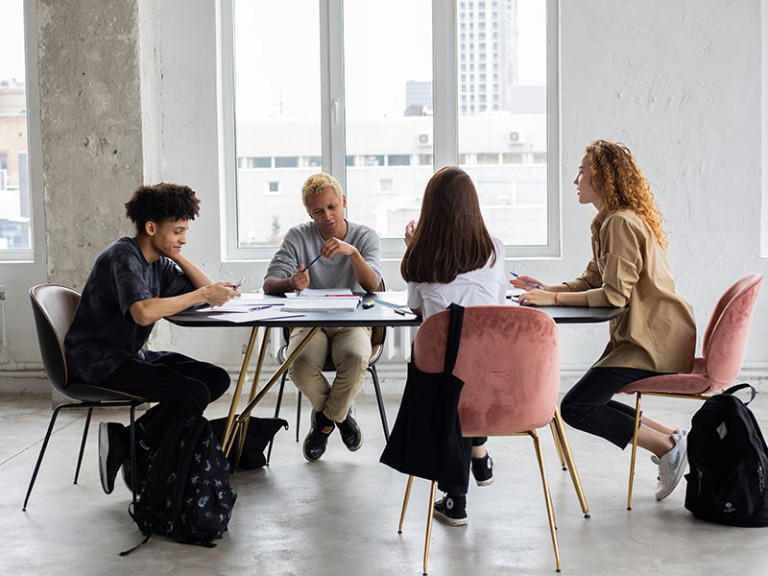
point(378, 335)
point(54, 308)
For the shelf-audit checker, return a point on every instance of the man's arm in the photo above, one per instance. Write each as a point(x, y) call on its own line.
point(145, 312)
point(364, 274)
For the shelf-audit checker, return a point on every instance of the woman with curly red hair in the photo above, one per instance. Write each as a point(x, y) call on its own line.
point(657, 333)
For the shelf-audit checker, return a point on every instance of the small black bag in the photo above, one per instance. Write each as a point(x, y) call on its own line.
point(260, 432)
point(728, 461)
point(426, 438)
point(186, 494)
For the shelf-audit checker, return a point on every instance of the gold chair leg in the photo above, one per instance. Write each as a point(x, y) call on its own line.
point(634, 452)
point(405, 503)
point(430, 514)
point(226, 439)
point(558, 445)
point(560, 428)
point(547, 498)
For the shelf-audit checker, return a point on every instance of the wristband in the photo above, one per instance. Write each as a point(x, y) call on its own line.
point(556, 303)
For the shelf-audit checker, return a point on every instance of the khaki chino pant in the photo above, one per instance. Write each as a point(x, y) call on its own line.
point(350, 350)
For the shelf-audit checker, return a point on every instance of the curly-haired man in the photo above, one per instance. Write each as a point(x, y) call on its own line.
point(133, 283)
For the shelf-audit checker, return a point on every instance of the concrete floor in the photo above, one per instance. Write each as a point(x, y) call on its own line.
point(339, 515)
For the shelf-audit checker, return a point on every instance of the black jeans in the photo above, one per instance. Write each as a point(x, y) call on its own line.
point(174, 381)
point(589, 405)
point(460, 490)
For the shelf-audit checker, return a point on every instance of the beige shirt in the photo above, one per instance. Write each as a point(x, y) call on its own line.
point(629, 268)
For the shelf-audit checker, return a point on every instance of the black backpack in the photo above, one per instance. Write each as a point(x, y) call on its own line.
point(728, 461)
point(186, 493)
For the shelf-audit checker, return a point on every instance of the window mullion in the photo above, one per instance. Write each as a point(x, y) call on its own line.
point(332, 88)
point(446, 137)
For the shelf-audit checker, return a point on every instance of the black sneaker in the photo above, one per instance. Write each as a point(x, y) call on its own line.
point(317, 439)
point(452, 510)
point(111, 454)
point(482, 470)
point(351, 434)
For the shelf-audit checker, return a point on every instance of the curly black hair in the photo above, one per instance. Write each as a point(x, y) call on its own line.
point(161, 202)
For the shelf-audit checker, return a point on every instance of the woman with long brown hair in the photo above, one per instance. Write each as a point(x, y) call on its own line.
point(657, 333)
point(452, 258)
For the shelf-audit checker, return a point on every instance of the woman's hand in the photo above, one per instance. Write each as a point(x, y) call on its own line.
point(410, 230)
point(526, 283)
point(536, 297)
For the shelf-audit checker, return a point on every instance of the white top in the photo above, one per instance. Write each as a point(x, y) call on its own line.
point(485, 286)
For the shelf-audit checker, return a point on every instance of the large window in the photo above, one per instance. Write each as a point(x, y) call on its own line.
point(15, 221)
point(381, 94)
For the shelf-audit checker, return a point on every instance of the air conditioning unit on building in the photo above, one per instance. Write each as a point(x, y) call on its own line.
point(425, 139)
point(515, 137)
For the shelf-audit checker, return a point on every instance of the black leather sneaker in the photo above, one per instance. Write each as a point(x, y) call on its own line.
point(317, 438)
point(351, 434)
point(452, 510)
point(482, 470)
point(111, 454)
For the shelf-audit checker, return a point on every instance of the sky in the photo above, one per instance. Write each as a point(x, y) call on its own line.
point(277, 51)
point(12, 39)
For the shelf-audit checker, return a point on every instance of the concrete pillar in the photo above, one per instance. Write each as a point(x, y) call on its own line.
point(91, 128)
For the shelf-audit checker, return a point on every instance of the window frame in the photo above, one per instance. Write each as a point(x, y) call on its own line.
point(445, 147)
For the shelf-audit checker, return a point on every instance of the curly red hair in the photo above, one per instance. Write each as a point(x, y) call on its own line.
point(617, 176)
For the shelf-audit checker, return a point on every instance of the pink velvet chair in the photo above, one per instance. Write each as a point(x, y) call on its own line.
point(722, 353)
point(509, 360)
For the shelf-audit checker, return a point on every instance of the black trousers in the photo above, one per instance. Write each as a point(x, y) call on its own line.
point(589, 405)
point(456, 489)
point(176, 382)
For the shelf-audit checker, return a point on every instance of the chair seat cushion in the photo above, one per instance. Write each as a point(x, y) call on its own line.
point(694, 382)
point(88, 393)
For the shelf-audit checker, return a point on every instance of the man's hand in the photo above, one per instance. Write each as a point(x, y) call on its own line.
point(336, 246)
point(220, 293)
point(300, 279)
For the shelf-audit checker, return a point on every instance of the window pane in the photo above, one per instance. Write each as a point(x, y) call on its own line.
point(503, 124)
point(389, 104)
point(277, 111)
point(15, 223)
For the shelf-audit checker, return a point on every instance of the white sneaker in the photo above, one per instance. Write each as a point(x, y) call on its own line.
point(672, 465)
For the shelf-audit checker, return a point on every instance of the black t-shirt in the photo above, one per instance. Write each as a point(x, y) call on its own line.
point(103, 334)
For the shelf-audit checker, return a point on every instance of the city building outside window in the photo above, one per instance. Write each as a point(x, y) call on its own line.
point(367, 114)
point(15, 209)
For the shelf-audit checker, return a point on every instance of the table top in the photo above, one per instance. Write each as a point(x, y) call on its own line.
point(382, 314)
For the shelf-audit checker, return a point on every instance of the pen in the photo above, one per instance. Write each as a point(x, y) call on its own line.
point(403, 312)
point(242, 281)
point(526, 281)
point(313, 261)
point(255, 308)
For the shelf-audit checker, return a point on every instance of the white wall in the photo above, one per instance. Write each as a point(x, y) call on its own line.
point(678, 82)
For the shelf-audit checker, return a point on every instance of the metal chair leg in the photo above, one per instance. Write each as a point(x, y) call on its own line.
point(82, 444)
point(568, 455)
point(298, 414)
point(40, 456)
point(405, 503)
point(380, 401)
point(430, 515)
point(634, 452)
point(558, 445)
point(132, 435)
point(547, 498)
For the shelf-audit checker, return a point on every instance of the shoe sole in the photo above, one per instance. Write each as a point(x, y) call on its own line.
point(104, 455)
point(484, 482)
point(450, 521)
point(679, 476)
point(355, 448)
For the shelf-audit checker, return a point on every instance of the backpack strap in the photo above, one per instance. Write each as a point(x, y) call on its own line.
point(733, 389)
point(454, 337)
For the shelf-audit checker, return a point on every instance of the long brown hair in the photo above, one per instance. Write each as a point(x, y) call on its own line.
point(451, 237)
point(618, 177)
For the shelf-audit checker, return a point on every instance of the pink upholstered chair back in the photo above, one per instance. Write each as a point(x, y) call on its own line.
point(509, 360)
point(725, 340)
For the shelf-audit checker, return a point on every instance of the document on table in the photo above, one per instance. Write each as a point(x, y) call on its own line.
point(322, 293)
point(323, 304)
point(271, 313)
point(247, 303)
